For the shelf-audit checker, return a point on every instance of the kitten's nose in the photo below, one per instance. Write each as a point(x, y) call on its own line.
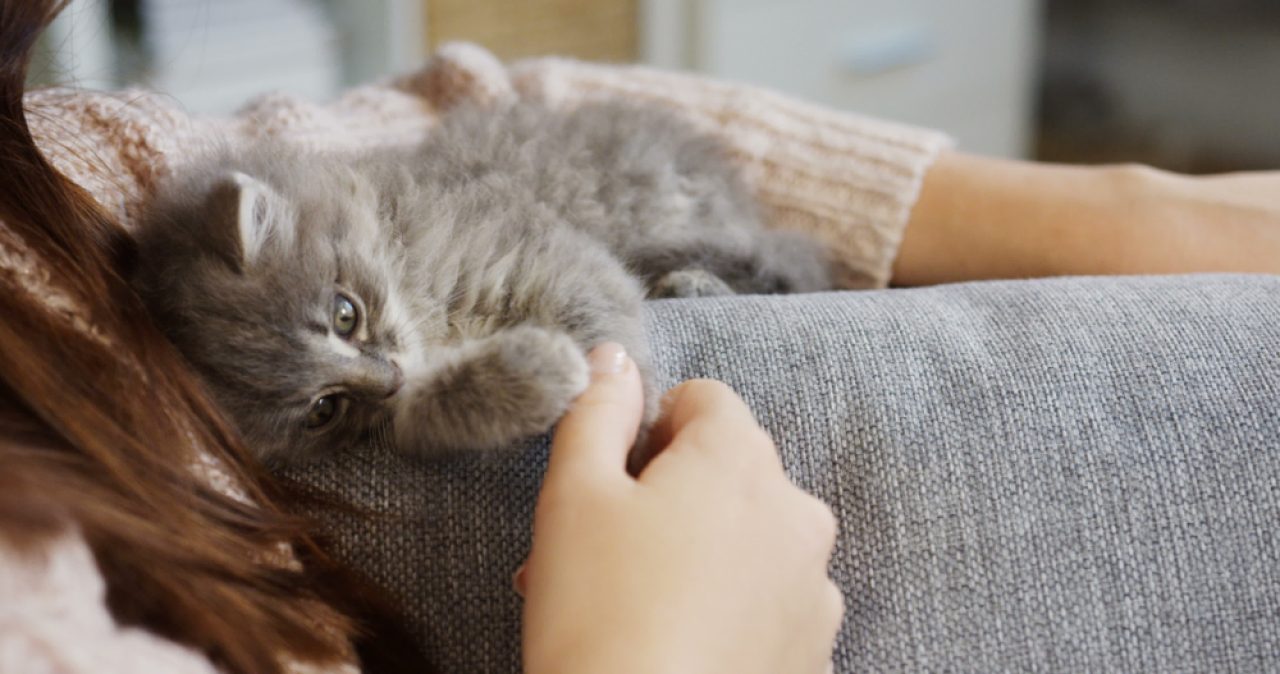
point(397, 380)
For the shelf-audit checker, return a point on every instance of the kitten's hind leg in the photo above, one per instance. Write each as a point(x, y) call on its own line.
point(684, 283)
point(766, 261)
point(490, 392)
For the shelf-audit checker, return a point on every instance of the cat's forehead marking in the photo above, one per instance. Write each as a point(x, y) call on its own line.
point(395, 317)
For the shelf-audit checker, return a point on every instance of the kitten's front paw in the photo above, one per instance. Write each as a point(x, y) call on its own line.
point(507, 387)
point(547, 370)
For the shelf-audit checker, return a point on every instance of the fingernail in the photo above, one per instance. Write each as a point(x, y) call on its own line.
point(517, 580)
point(608, 358)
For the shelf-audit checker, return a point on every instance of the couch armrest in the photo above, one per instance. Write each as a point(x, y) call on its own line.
point(1072, 474)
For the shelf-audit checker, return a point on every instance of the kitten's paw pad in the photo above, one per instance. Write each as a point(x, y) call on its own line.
point(688, 283)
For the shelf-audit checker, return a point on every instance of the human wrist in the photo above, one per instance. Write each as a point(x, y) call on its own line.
point(1018, 219)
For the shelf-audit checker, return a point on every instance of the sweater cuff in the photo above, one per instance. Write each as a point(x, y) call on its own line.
point(847, 179)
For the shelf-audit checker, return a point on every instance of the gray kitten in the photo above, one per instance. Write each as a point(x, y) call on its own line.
point(452, 289)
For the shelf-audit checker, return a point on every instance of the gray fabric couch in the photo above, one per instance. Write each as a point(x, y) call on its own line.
point(1060, 475)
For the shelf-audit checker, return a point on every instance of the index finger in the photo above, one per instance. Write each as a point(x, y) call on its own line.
point(709, 415)
point(591, 442)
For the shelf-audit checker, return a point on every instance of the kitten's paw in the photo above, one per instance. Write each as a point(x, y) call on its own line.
point(545, 371)
point(689, 283)
point(509, 386)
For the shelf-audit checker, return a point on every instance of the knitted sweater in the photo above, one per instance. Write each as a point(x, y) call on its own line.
point(847, 179)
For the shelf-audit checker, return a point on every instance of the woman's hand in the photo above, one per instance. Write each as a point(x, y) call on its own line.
point(709, 561)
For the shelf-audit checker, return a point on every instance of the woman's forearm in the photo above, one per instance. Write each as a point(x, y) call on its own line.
point(993, 218)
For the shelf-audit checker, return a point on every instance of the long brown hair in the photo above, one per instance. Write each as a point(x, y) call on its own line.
point(101, 423)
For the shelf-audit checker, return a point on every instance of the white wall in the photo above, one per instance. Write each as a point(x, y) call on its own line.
point(77, 49)
point(966, 67)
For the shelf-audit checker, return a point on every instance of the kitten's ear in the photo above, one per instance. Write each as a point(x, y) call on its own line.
point(251, 214)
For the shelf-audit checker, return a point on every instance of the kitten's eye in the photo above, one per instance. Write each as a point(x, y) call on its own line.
point(323, 411)
point(345, 315)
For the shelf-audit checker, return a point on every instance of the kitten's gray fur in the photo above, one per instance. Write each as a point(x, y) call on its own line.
point(484, 264)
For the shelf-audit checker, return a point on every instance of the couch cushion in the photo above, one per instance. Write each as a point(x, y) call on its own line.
point(1072, 474)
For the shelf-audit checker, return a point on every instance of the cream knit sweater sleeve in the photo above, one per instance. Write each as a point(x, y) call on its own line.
point(848, 179)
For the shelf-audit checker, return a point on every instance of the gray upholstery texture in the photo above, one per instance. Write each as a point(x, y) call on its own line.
point(1061, 475)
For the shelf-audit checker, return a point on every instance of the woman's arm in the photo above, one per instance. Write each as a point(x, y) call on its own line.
point(980, 218)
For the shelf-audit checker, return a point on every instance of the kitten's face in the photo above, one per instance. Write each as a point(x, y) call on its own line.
point(287, 306)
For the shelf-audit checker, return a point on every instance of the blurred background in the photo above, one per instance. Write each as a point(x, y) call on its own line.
point(1189, 85)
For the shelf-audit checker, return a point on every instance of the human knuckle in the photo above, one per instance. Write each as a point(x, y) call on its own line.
point(754, 436)
point(718, 441)
point(833, 602)
point(748, 444)
point(824, 519)
point(707, 436)
point(709, 396)
point(817, 525)
point(706, 387)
